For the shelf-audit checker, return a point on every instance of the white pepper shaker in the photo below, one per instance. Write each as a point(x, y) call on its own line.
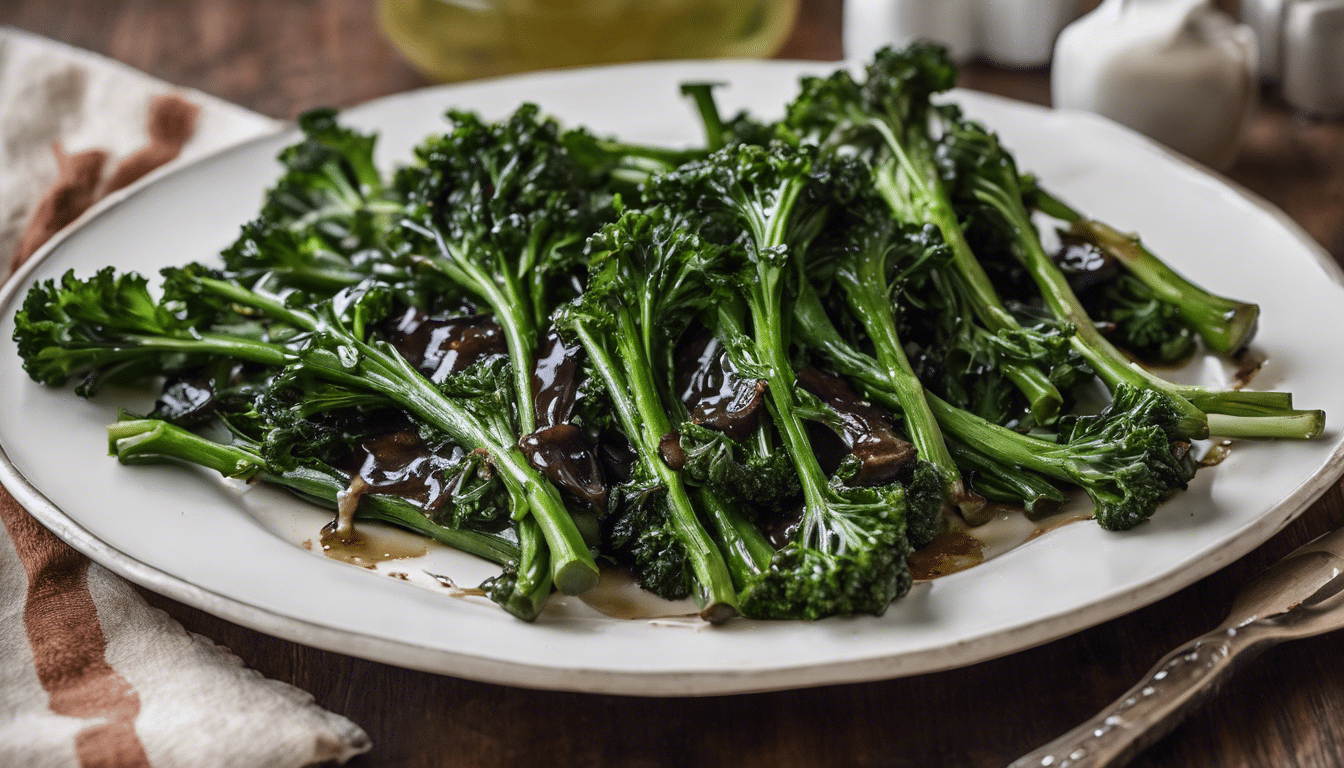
point(871, 24)
point(1176, 70)
point(1020, 33)
point(1313, 57)
point(1265, 18)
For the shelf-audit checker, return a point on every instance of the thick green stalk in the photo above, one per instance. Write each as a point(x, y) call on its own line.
point(382, 370)
point(1226, 325)
point(745, 549)
point(532, 582)
point(505, 299)
point(1294, 425)
point(703, 96)
point(865, 292)
point(764, 299)
point(814, 328)
point(1237, 402)
point(643, 418)
point(146, 441)
point(1009, 447)
point(917, 196)
point(150, 441)
point(272, 305)
point(204, 344)
point(1108, 362)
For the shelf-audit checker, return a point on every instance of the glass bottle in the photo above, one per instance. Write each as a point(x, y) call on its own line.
point(463, 39)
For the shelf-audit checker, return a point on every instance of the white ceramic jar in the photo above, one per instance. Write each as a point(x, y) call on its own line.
point(1014, 33)
point(1313, 57)
point(1176, 70)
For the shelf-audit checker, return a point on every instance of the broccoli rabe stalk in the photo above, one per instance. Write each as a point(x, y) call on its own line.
point(1125, 459)
point(888, 116)
point(745, 549)
point(734, 477)
point(145, 441)
point(741, 128)
point(109, 327)
point(988, 174)
point(503, 211)
point(1226, 325)
point(646, 281)
point(773, 201)
point(135, 440)
point(1006, 483)
point(862, 266)
point(703, 96)
point(525, 585)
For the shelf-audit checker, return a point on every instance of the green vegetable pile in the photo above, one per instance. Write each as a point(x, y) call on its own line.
point(760, 373)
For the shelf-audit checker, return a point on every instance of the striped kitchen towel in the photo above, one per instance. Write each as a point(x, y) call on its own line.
point(91, 675)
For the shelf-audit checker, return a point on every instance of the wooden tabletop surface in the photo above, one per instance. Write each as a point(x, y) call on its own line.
point(280, 57)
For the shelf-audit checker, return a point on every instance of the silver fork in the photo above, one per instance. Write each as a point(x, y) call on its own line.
point(1300, 596)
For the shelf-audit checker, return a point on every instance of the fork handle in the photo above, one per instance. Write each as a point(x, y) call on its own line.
point(1173, 688)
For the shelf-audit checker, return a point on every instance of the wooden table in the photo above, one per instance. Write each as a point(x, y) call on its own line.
point(1287, 709)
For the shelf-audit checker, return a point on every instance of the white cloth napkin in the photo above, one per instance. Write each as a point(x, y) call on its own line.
point(90, 675)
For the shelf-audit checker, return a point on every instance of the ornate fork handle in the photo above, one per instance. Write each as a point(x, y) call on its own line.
point(1177, 684)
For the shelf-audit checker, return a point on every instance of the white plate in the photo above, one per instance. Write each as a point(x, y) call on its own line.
point(182, 535)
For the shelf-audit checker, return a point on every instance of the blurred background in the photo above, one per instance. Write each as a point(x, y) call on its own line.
point(280, 57)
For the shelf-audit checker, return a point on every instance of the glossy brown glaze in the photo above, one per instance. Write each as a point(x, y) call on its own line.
point(950, 551)
point(1216, 455)
point(399, 463)
point(367, 546)
point(557, 448)
point(1085, 265)
point(440, 346)
point(866, 429)
point(563, 454)
point(186, 401)
point(555, 380)
point(617, 455)
point(669, 448)
point(713, 392)
point(1249, 363)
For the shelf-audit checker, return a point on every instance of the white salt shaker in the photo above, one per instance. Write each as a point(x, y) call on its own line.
point(1020, 33)
point(1265, 18)
point(871, 24)
point(1176, 70)
point(1312, 42)
point(1014, 33)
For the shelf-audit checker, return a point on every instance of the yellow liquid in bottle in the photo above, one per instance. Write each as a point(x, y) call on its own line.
point(463, 39)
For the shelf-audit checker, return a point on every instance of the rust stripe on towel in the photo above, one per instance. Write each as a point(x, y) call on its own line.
point(172, 120)
point(72, 194)
point(68, 645)
point(170, 124)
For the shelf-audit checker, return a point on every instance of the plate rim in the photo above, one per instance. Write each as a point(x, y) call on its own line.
point(963, 652)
